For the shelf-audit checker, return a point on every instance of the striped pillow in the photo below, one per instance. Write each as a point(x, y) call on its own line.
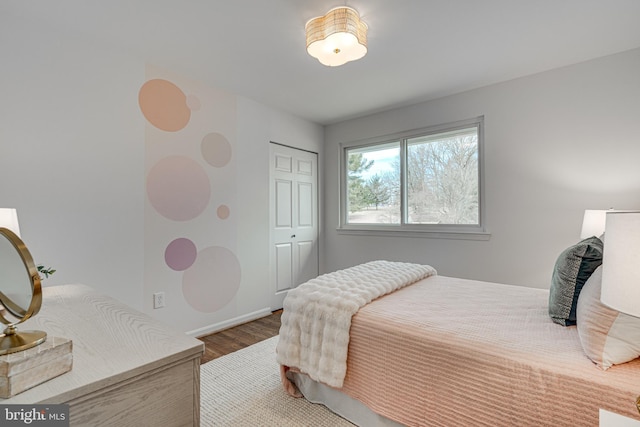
point(608, 337)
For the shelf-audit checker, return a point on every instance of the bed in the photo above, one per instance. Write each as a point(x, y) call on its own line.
point(443, 351)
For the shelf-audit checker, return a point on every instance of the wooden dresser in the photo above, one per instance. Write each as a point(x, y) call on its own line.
point(128, 369)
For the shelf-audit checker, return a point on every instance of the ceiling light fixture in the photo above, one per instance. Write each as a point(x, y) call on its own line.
point(337, 37)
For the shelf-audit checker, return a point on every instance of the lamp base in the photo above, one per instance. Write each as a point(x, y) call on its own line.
point(19, 341)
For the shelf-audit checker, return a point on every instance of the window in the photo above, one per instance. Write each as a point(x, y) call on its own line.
point(428, 180)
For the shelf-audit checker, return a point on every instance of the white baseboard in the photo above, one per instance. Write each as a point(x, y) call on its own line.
point(216, 327)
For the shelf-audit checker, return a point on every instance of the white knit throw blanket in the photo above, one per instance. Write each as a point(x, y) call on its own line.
point(314, 335)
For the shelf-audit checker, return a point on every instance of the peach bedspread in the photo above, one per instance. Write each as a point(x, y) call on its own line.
point(314, 335)
point(456, 352)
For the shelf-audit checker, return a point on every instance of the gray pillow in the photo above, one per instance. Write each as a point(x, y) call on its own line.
point(573, 267)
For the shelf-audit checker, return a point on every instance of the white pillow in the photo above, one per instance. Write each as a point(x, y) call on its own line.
point(608, 337)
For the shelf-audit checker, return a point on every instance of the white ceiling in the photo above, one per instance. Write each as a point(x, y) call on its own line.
point(418, 49)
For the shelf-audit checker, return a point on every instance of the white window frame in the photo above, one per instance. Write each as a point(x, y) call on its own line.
point(447, 231)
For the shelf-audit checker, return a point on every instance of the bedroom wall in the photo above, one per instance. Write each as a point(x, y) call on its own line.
point(74, 162)
point(71, 156)
point(206, 212)
point(556, 143)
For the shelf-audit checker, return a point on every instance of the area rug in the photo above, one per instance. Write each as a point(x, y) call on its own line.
point(243, 389)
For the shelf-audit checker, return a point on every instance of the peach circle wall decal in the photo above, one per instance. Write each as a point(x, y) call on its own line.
point(164, 105)
point(180, 254)
point(213, 280)
point(223, 212)
point(216, 150)
point(178, 188)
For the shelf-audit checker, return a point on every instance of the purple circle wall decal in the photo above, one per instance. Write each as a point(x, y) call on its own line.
point(180, 254)
point(213, 279)
point(216, 150)
point(178, 188)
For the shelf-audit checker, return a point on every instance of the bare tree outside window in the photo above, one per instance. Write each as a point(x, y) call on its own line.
point(427, 180)
point(442, 179)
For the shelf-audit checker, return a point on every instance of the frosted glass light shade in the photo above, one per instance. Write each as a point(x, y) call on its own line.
point(593, 223)
point(9, 219)
point(621, 261)
point(337, 37)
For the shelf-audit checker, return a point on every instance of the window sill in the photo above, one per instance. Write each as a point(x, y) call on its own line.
point(425, 234)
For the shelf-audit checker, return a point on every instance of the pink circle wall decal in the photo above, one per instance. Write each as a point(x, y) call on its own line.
point(213, 280)
point(178, 188)
point(223, 211)
point(216, 150)
point(180, 254)
point(164, 105)
point(193, 102)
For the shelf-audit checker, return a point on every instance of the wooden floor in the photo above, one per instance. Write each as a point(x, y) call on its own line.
point(238, 337)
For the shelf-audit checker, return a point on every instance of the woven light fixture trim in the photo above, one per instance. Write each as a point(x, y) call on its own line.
point(337, 37)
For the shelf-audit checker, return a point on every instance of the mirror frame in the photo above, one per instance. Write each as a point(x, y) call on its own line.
point(11, 340)
point(34, 277)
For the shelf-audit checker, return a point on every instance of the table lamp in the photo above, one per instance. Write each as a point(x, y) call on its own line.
point(9, 219)
point(621, 258)
point(593, 223)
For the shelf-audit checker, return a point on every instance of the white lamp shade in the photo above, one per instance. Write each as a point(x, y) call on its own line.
point(593, 223)
point(621, 262)
point(9, 219)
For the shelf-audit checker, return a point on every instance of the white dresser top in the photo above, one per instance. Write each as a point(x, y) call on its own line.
point(111, 343)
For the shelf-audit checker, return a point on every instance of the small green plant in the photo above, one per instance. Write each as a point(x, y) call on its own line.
point(45, 271)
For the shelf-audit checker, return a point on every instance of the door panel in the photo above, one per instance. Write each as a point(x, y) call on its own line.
point(284, 204)
point(305, 204)
point(307, 270)
point(305, 167)
point(284, 269)
point(294, 219)
point(283, 163)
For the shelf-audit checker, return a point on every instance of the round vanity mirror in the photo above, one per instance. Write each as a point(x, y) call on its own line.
point(20, 293)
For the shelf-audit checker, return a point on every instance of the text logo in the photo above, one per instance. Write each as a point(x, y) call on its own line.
point(35, 415)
